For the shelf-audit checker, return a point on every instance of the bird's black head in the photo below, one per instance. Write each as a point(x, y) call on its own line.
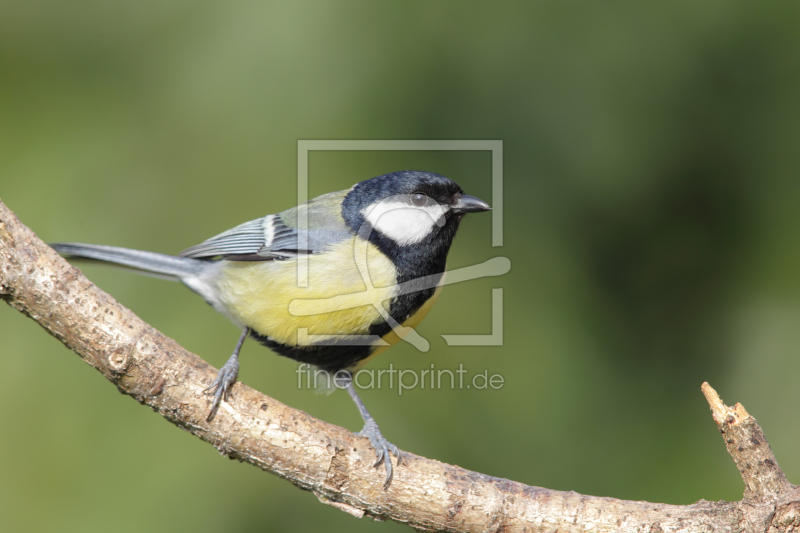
point(411, 216)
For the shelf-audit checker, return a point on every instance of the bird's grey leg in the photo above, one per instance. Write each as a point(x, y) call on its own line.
point(226, 377)
point(372, 432)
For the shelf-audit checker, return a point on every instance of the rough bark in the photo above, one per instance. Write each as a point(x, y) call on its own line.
point(336, 464)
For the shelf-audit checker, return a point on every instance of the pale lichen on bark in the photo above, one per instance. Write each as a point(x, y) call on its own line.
point(334, 463)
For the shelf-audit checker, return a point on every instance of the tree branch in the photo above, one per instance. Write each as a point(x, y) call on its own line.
point(332, 462)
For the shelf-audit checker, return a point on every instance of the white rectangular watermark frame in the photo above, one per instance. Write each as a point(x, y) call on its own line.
point(494, 146)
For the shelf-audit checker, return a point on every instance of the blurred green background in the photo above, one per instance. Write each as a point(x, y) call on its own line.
point(652, 155)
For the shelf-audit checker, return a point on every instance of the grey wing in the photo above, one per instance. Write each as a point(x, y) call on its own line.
point(278, 236)
point(243, 240)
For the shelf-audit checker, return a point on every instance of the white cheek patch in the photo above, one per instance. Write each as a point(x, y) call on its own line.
point(403, 223)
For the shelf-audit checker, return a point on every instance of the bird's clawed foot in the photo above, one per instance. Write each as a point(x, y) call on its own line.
point(221, 386)
point(383, 448)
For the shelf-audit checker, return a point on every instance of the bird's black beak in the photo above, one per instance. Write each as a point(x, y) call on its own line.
point(470, 204)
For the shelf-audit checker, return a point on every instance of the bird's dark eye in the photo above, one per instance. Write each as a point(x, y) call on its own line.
point(419, 199)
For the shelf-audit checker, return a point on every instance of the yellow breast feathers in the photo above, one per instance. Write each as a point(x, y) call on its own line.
point(345, 286)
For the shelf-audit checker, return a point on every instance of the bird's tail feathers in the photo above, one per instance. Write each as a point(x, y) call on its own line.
point(151, 263)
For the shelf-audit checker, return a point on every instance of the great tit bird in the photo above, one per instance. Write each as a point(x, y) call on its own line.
point(331, 283)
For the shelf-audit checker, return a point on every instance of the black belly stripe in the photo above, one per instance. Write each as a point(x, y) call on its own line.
point(330, 357)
